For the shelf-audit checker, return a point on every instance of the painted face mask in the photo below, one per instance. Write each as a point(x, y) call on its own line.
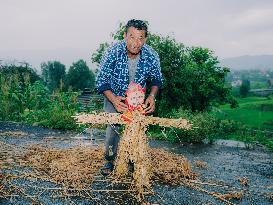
point(135, 95)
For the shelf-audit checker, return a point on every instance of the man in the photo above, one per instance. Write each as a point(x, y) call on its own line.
point(128, 60)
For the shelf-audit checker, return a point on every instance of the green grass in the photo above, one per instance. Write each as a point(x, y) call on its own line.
point(258, 85)
point(255, 112)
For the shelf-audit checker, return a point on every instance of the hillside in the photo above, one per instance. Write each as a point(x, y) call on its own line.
point(248, 62)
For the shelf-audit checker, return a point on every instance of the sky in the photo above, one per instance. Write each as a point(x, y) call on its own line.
point(69, 30)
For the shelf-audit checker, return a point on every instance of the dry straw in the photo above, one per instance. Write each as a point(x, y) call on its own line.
point(74, 170)
point(133, 147)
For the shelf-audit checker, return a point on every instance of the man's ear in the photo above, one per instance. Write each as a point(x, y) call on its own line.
point(145, 39)
point(124, 35)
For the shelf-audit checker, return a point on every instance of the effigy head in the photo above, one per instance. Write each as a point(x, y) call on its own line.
point(135, 95)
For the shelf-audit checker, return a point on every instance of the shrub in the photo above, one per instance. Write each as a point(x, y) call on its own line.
point(227, 126)
point(11, 97)
point(24, 101)
point(58, 112)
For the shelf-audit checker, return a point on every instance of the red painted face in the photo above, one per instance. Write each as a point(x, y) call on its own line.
point(135, 39)
point(135, 95)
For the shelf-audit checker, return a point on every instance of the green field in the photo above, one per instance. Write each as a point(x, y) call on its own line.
point(256, 112)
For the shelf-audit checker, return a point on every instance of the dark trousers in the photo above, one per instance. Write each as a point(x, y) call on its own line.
point(112, 134)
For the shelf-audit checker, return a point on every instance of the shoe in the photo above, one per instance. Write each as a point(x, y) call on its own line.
point(131, 167)
point(107, 169)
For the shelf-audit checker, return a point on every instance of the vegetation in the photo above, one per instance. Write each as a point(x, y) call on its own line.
point(53, 74)
point(250, 122)
point(244, 88)
point(25, 97)
point(21, 71)
point(79, 76)
point(32, 103)
point(256, 112)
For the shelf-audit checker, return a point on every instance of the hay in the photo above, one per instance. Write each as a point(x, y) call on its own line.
point(116, 118)
point(133, 146)
point(1, 183)
point(232, 195)
point(13, 134)
point(170, 168)
point(77, 167)
point(200, 164)
point(75, 170)
point(73, 167)
point(243, 181)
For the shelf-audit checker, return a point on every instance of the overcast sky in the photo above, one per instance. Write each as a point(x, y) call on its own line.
point(68, 30)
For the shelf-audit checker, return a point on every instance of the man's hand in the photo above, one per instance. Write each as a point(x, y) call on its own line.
point(118, 104)
point(149, 104)
point(116, 101)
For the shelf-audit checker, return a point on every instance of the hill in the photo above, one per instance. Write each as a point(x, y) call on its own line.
point(248, 62)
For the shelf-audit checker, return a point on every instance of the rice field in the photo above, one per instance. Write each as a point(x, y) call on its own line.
point(256, 112)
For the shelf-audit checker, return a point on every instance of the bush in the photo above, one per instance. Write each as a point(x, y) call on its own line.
point(252, 137)
point(58, 112)
point(229, 129)
point(24, 101)
point(11, 97)
point(227, 126)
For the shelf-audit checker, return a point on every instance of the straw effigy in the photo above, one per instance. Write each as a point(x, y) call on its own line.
point(133, 146)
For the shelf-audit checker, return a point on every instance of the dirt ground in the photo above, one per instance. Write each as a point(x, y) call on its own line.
point(220, 168)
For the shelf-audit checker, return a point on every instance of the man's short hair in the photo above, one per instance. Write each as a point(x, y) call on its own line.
point(138, 24)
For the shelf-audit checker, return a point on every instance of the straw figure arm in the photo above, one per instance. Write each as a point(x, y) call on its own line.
point(167, 122)
point(100, 118)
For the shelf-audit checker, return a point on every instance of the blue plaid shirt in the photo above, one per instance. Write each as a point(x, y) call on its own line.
point(114, 73)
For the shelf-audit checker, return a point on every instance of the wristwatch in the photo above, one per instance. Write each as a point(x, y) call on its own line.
point(152, 96)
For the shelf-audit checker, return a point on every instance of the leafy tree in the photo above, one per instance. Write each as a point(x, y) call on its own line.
point(53, 74)
point(22, 71)
point(96, 57)
point(207, 79)
point(244, 88)
point(79, 76)
point(192, 76)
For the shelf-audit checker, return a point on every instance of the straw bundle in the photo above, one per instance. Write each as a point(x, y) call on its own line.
point(133, 146)
point(73, 167)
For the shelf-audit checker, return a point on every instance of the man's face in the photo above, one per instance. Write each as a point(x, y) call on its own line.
point(135, 40)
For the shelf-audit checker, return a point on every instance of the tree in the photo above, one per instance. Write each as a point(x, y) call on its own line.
point(96, 57)
point(207, 79)
point(244, 88)
point(192, 76)
point(24, 71)
point(79, 76)
point(53, 74)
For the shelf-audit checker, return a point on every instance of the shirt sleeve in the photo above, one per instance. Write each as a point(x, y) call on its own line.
point(156, 75)
point(104, 74)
